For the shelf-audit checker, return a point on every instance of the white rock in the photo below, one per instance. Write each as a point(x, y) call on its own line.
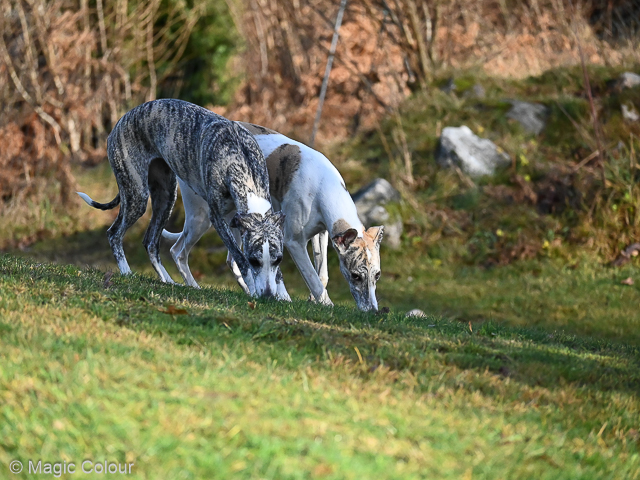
point(416, 312)
point(629, 80)
point(476, 156)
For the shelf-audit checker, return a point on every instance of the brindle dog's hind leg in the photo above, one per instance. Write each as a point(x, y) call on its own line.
point(133, 203)
point(163, 186)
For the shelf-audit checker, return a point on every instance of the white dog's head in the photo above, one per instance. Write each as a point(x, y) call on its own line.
point(360, 263)
point(262, 241)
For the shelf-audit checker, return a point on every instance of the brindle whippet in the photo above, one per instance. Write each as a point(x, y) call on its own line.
point(218, 163)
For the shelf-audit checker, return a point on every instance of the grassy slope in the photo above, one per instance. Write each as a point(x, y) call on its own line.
point(98, 371)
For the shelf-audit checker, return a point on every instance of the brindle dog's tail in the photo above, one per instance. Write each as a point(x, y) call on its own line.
point(102, 206)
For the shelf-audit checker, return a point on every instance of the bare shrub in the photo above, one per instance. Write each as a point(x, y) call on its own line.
point(68, 72)
point(388, 48)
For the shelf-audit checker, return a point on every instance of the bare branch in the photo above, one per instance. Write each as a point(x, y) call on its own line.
point(31, 56)
point(23, 92)
point(103, 30)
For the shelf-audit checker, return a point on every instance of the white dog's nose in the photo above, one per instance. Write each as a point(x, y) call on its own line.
point(372, 298)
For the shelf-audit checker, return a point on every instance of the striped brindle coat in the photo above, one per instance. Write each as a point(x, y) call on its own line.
point(311, 193)
point(213, 158)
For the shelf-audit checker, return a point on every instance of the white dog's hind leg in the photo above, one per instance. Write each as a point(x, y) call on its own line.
point(196, 224)
point(164, 275)
point(194, 228)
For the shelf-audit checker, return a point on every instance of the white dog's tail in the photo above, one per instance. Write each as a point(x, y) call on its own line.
point(171, 236)
point(102, 206)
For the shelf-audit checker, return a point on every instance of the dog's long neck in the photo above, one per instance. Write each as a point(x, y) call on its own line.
point(338, 211)
point(244, 174)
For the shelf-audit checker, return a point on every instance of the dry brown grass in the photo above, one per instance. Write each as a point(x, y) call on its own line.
point(389, 48)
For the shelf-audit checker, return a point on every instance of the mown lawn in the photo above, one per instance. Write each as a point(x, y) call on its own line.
point(206, 384)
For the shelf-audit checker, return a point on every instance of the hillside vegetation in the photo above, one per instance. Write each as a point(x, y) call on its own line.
point(558, 197)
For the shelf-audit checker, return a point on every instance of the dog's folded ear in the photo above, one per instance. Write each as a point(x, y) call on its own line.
point(277, 218)
point(343, 240)
point(241, 221)
point(376, 233)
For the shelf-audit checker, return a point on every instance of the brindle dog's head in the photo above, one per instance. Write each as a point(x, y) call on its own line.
point(262, 242)
point(360, 263)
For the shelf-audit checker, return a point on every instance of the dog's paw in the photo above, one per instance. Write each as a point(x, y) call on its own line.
point(324, 299)
point(327, 303)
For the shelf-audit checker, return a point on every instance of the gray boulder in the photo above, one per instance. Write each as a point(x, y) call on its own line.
point(628, 80)
point(477, 91)
point(370, 201)
point(532, 116)
point(449, 87)
point(459, 146)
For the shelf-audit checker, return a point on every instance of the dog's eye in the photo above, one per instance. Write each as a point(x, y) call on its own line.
point(278, 260)
point(355, 277)
point(255, 263)
point(377, 276)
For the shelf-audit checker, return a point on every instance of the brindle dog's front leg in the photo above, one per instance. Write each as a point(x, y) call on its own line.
point(230, 242)
point(232, 265)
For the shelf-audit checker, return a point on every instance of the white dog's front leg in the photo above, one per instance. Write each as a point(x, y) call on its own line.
point(319, 245)
point(303, 262)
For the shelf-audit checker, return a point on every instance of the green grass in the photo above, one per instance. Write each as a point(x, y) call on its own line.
point(94, 369)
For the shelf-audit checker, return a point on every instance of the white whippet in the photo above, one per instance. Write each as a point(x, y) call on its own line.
point(311, 193)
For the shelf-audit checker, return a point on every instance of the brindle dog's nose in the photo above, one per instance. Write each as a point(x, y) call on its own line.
point(267, 292)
